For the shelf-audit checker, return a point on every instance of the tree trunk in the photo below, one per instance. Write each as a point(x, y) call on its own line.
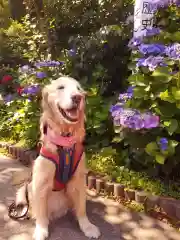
point(17, 9)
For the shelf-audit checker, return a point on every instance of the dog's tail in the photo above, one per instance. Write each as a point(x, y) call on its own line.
point(19, 208)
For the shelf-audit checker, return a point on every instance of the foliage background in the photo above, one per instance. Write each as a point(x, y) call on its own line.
point(91, 39)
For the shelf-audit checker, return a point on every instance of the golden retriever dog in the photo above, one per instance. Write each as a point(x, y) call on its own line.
point(58, 175)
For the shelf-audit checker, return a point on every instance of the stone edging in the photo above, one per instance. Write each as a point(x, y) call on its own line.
point(168, 205)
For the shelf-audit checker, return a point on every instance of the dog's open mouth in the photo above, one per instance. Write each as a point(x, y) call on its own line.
point(69, 114)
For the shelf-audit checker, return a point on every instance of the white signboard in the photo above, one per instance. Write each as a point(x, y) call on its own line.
point(143, 16)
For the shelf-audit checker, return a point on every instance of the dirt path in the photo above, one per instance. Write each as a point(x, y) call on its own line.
point(114, 221)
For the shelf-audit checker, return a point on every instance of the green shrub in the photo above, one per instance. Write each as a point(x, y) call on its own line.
point(22, 42)
point(92, 47)
point(153, 144)
point(104, 162)
point(4, 14)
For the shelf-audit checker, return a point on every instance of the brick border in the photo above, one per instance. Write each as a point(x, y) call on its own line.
point(168, 205)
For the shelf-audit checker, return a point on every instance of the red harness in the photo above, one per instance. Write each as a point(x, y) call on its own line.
point(66, 161)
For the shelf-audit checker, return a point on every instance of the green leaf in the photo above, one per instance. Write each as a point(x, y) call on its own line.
point(167, 123)
point(152, 148)
point(117, 129)
point(176, 36)
point(171, 148)
point(138, 79)
point(107, 151)
point(172, 126)
point(137, 76)
point(162, 74)
point(165, 96)
point(170, 151)
point(173, 143)
point(161, 71)
point(178, 105)
point(176, 93)
point(117, 139)
point(170, 62)
point(132, 65)
point(167, 110)
point(147, 88)
point(160, 158)
point(139, 92)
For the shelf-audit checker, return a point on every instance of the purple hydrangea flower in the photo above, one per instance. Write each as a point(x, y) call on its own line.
point(134, 122)
point(163, 144)
point(164, 3)
point(39, 64)
point(150, 121)
point(129, 118)
point(41, 75)
point(149, 32)
point(173, 51)
point(31, 90)
point(154, 49)
point(156, 4)
point(134, 42)
point(130, 89)
point(72, 52)
point(116, 109)
point(25, 68)
point(48, 64)
point(8, 98)
point(142, 62)
point(151, 62)
point(125, 96)
point(174, 72)
point(133, 119)
point(128, 95)
point(175, 2)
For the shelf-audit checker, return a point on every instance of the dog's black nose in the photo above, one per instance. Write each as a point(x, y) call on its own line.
point(76, 98)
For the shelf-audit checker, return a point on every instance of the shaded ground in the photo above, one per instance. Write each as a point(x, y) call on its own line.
point(113, 219)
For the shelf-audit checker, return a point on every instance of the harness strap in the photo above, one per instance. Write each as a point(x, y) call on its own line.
point(66, 161)
point(66, 157)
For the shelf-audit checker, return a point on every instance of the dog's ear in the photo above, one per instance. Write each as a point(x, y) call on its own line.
point(45, 103)
point(84, 93)
point(45, 108)
point(45, 93)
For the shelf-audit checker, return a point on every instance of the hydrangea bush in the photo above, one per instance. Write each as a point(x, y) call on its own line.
point(20, 99)
point(147, 116)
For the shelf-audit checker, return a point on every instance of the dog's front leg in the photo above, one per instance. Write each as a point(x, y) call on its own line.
point(77, 192)
point(89, 229)
point(42, 181)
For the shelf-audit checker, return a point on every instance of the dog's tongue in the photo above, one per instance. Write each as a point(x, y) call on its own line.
point(72, 112)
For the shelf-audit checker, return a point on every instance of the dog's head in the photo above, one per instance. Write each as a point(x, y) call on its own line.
point(64, 100)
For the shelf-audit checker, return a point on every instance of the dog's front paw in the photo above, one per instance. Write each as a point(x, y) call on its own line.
point(40, 233)
point(90, 230)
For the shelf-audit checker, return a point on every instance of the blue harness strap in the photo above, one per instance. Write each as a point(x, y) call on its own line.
point(65, 168)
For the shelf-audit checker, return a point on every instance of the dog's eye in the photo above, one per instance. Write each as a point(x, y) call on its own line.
point(61, 87)
point(78, 88)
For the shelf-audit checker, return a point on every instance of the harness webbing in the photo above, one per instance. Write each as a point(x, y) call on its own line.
point(66, 161)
